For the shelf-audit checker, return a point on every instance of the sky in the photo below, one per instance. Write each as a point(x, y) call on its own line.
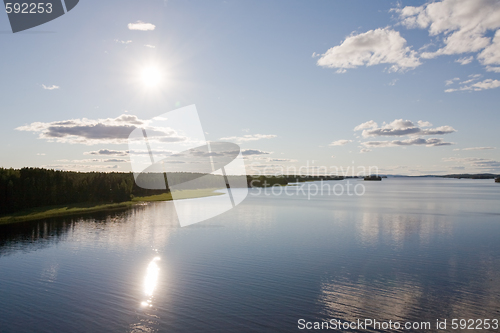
point(410, 88)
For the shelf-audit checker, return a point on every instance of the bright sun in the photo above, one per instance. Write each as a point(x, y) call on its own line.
point(151, 76)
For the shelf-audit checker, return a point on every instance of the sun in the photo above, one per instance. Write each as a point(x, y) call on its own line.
point(151, 76)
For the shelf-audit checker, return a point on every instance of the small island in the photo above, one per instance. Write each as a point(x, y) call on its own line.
point(497, 180)
point(373, 177)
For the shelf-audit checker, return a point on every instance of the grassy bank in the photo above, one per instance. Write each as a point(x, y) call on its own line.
point(76, 209)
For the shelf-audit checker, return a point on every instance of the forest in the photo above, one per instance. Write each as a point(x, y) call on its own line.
point(27, 188)
point(33, 187)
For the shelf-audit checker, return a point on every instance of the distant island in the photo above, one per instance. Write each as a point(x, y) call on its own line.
point(373, 177)
point(268, 181)
point(473, 176)
point(457, 176)
point(497, 180)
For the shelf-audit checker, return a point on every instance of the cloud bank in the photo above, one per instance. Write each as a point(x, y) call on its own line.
point(462, 25)
point(475, 162)
point(457, 27)
point(399, 128)
point(478, 86)
point(100, 131)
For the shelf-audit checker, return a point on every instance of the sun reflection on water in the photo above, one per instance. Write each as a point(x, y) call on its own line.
point(151, 280)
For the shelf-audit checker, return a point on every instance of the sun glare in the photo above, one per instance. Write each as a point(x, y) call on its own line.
point(151, 76)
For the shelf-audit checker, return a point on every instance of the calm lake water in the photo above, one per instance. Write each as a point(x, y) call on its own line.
point(407, 250)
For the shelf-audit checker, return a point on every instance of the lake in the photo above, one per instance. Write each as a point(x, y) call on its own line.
point(408, 250)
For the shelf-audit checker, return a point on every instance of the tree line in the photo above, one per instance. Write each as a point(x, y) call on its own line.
point(27, 188)
point(34, 187)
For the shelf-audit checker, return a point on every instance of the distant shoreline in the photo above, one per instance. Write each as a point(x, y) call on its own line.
point(86, 208)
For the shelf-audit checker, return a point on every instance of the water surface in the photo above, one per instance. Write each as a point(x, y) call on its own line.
point(407, 250)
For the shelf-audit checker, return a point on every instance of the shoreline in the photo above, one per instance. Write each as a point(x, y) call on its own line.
point(86, 208)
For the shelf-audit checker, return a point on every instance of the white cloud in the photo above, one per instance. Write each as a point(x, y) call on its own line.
point(142, 26)
point(379, 46)
point(493, 69)
point(251, 152)
point(123, 41)
point(95, 160)
point(441, 130)
point(41, 154)
point(340, 142)
point(424, 123)
point(451, 81)
point(52, 87)
point(400, 127)
point(468, 81)
point(365, 150)
point(491, 54)
point(471, 78)
point(432, 142)
point(478, 86)
point(479, 163)
point(249, 137)
point(114, 160)
point(150, 46)
point(465, 60)
point(477, 148)
point(462, 25)
point(89, 132)
point(393, 82)
point(108, 152)
point(368, 124)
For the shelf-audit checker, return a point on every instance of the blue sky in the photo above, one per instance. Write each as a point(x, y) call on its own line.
point(287, 80)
